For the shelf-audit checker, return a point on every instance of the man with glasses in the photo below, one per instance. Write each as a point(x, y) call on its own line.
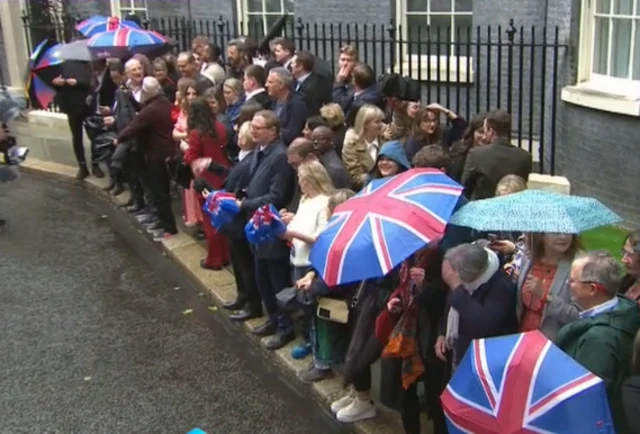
point(271, 181)
point(602, 339)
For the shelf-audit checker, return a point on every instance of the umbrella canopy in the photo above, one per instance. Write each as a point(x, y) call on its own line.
point(523, 384)
point(44, 65)
point(389, 220)
point(221, 207)
point(535, 211)
point(265, 225)
point(98, 24)
point(124, 42)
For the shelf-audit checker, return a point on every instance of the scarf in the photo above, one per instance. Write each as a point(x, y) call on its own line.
point(403, 342)
point(453, 318)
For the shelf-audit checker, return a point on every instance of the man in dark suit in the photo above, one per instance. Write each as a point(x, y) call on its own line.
point(324, 148)
point(271, 181)
point(188, 68)
point(237, 58)
point(362, 91)
point(314, 89)
point(487, 165)
point(288, 106)
point(253, 83)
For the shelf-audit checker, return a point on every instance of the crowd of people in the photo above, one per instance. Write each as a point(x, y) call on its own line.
point(283, 131)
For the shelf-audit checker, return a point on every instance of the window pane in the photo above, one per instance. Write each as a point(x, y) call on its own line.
point(603, 6)
point(255, 26)
point(289, 6)
point(273, 6)
point(271, 20)
point(417, 33)
point(417, 5)
point(464, 5)
point(441, 5)
point(623, 7)
point(254, 6)
point(441, 34)
point(601, 46)
point(140, 4)
point(636, 54)
point(620, 55)
point(125, 4)
point(462, 23)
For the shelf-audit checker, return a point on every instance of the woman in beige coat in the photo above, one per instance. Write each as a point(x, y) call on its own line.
point(362, 143)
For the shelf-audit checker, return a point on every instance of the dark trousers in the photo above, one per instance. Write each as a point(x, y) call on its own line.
point(244, 272)
point(135, 170)
point(77, 136)
point(272, 277)
point(362, 380)
point(158, 181)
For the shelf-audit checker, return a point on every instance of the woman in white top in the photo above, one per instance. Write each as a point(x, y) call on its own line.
point(362, 143)
point(311, 217)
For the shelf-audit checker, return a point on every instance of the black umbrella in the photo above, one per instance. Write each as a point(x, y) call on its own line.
point(275, 31)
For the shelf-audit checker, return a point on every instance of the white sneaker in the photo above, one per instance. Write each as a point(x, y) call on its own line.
point(356, 411)
point(341, 403)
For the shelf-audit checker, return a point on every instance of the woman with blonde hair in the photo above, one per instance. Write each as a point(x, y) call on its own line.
point(233, 94)
point(334, 117)
point(362, 143)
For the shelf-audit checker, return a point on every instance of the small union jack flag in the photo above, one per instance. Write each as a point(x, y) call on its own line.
point(523, 384)
point(389, 220)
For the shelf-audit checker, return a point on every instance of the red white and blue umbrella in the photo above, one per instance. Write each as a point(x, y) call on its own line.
point(221, 207)
point(124, 42)
point(265, 225)
point(524, 384)
point(44, 64)
point(98, 24)
point(384, 224)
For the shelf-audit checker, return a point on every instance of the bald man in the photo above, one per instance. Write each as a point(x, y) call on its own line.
point(324, 148)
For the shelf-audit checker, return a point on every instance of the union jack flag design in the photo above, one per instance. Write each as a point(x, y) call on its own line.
point(523, 384)
point(221, 207)
point(389, 220)
point(124, 41)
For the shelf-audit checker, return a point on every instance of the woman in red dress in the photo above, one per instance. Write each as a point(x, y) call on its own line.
point(207, 139)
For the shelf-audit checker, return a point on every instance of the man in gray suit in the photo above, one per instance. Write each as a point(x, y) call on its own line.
point(487, 165)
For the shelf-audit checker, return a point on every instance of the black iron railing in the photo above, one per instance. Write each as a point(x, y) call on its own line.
point(468, 69)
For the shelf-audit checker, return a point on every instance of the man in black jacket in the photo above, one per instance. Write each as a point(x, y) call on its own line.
point(270, 182)
point(361, 91)
point(314, 89)
point(288, 105)
point(253, 83)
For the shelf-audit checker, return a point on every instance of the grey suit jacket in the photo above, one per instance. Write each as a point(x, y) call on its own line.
point(561, 310)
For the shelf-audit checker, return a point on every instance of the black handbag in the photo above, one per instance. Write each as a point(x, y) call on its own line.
point(103, 145)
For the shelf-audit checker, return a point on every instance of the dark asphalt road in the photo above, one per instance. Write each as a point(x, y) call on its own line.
point(93, 338)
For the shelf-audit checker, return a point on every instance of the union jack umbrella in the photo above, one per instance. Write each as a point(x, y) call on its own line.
point(44, 64)
point(125, 42)
point(384, 224)
point(265, 225)
point(526, 385)
point(221, 207)
point(98, 24)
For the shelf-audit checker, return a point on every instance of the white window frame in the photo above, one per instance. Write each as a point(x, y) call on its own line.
point(416, 65)
point(116, 8)
point(616, 95)
point(244, 14)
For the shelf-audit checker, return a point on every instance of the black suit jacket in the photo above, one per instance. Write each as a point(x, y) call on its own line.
point(487, 165)
point(271, 180)
point(202, 83)
point(106, 91)
point(336, 170)
point(345, 96)
point(237, 180)
point(292, 118)
point(315, 90)
point(261, 98)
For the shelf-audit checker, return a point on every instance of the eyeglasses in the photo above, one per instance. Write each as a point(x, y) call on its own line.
point(258, 127)
point(596, 285)
point(627, 253)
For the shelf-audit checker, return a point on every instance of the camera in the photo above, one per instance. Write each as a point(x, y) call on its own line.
point(10, 153)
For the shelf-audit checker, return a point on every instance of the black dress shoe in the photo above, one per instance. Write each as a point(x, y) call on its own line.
point(118, 190)
point(280, 339)
point(135, 208)
point(236, 304)
point(97, 171)
point(266, 329)
point(246, 315)
point(83, 173)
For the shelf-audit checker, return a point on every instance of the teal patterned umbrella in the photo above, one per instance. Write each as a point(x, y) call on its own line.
point(535, 211)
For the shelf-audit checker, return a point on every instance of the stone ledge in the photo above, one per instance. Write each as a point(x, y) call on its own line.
point(43, 118)
point(556, 184)
point(220, 286)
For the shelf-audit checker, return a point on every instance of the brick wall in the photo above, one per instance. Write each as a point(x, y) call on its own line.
point(87, 8)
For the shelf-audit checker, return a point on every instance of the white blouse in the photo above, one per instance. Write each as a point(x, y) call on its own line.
point(310, 219)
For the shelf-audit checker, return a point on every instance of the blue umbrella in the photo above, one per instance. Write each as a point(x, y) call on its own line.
point(98, 24)
point(265, 225)
point(125, 42)
point(384, 224)
point(221, 207)
point(524, 384)
point(535, 211)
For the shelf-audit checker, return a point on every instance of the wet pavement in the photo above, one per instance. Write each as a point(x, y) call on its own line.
point(94, 339)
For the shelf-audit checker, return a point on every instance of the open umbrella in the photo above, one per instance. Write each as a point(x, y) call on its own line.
point(535, 211)
point(98, 24)
point(221, 207)
point(389, 220)
point(125, 42)
point(524, 384)
point(44, 65)
point(265, 225)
